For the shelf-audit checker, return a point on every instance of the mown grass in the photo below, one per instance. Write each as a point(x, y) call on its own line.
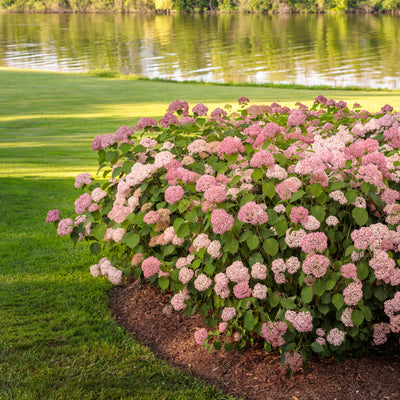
point(57, 337)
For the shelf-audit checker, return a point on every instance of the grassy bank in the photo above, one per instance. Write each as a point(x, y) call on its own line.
point(58, 339)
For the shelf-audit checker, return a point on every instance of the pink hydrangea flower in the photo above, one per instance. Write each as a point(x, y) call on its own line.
point(296, 118)
point(262, 158)
point(202, 282)
point(178, 105)
point(201, 336)
point(82, 203)
point(237, 272)
point(178, 301)
point(200, 109)
point(150, 266)
point(353, 293)
point(173, 194)
point(260, 291)
point(95, 270)
point(231, 146)
point(335, 337)
point(215, 194)
point(205, 182)
point(151, 217)
point(316, 265)
point(53, 216)
point(363, 238)
point(98, 194)
point(349, 271)
point(65, 227)
point(185, 275)
point(242, 290)
point(292, 265)
point(168, 119)
point(285, 189)
point(83, 179)
point(314, 242)
point(228, 313)
point(259, 271)
point(299, 215)
point(252, 213)
point(144, 123)
point(221, 221)
point(124, 132)
point(273, 332)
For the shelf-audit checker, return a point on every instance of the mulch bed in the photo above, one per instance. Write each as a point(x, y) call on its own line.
point(252, 374)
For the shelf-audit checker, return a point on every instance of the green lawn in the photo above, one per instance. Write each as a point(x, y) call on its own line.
point(57, 337)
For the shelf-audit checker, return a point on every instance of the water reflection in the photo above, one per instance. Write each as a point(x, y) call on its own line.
point(337, 50)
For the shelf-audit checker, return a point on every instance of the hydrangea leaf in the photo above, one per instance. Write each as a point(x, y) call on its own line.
point(307, 294)
point(95, 248)
point(357, 317)
point(317, 348)
point(131, 239)
point(163, 282)
point(252, 242)
point(360, 215)
point(99, 231)
point(271, 246)
point(338, 300)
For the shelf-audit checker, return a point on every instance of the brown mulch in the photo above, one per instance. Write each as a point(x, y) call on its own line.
point(252, 374)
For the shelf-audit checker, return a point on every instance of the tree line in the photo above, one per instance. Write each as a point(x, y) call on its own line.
point(244, 6)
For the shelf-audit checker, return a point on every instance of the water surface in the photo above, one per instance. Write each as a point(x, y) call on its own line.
point(337, 50)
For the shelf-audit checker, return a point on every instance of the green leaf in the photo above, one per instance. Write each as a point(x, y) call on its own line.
point(351, 195)
point(245, 235)
point(252, 242)
point(318, 212)
point(365, 187)
point(269, 189)
point(95, 248)
point(367, 313)
point(288, 303)
point(203, 310)
point(272, 216)
point(271, 246)
point(228, 347)
point(209, 269)
point(338, 300)
point(360, 215)
point(163, 282)
point(245, 199)
point(177, 223)
point(217, 345)
point(232, 246)
point(257, 174)
point(307, 294)
point(297, 196)
point(319, 287)
point(99, 231)
point(281, 227)
point(315, 189)
point(183, 231)
point(249, 320)
point(125, 147)
point(273, 300)
point(131, 239)
point(116, 171)
point(317, 348)
point(362, 270)
point(323, 308)
point(357, 317)
point(380, 293)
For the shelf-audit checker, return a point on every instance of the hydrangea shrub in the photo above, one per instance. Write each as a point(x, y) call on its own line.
point(278, 225)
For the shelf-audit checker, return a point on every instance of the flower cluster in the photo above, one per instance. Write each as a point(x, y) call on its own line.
point(275, 223)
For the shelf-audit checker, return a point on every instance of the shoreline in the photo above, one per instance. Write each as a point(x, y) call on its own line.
point(108, 74)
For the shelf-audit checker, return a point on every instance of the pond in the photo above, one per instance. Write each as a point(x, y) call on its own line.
point(337, 50)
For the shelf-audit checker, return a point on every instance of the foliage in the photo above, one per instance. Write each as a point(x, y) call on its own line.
point(275, 224)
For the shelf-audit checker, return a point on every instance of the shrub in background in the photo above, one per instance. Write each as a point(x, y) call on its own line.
point(278, 225)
